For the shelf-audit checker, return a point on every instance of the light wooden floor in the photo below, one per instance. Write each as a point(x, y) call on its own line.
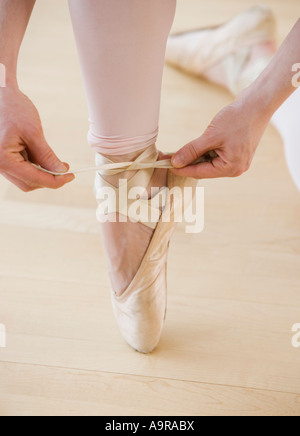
point(234, 290)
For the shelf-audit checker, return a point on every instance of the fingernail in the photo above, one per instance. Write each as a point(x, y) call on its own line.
point(178, 160)
point(71, 177)
point(60, 168)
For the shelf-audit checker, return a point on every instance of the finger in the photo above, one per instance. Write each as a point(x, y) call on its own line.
point(35, 178)
point(66, 165)
point(193, 150)
point(42, 154)
point(206, 170)
point(21, 185)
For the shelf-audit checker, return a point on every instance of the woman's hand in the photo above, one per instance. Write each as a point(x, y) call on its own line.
point(22, 138)
point(234, 135)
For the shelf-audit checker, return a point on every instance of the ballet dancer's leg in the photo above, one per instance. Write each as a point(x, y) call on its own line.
point(121, 45)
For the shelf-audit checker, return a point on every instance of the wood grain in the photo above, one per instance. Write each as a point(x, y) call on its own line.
point(233, 290)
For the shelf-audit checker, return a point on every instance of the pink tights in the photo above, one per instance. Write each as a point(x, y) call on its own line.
point(121, 45)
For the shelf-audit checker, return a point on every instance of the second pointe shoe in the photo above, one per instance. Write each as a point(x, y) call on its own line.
point(140, 311)
point(199, 50)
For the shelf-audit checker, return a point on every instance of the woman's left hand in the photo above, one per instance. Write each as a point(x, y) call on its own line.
point(234, 135)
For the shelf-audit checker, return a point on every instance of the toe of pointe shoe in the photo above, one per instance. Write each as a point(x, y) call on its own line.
point(141, 324)
point(141, 314)
point(143, 334)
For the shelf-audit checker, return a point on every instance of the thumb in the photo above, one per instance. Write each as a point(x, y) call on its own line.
point(44, 156)
point(191, 152)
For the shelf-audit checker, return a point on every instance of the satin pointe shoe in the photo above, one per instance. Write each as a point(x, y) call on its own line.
point(140, 311)
point(197, 51)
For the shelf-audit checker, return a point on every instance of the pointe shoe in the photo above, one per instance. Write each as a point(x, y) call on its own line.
point(141, 310)
point(199, 50)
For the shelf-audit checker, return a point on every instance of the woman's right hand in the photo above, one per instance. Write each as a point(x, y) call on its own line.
point(22, 139)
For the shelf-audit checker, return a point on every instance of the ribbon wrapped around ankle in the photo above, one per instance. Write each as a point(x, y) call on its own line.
point(115, 168)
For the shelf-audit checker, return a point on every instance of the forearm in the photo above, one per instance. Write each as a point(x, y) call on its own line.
point(275, 85)
point(14, 18)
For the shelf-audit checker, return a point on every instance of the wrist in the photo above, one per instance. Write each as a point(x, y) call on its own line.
point(7, 80)
point(8, 93)
point(8, 72)
point(257, 102)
